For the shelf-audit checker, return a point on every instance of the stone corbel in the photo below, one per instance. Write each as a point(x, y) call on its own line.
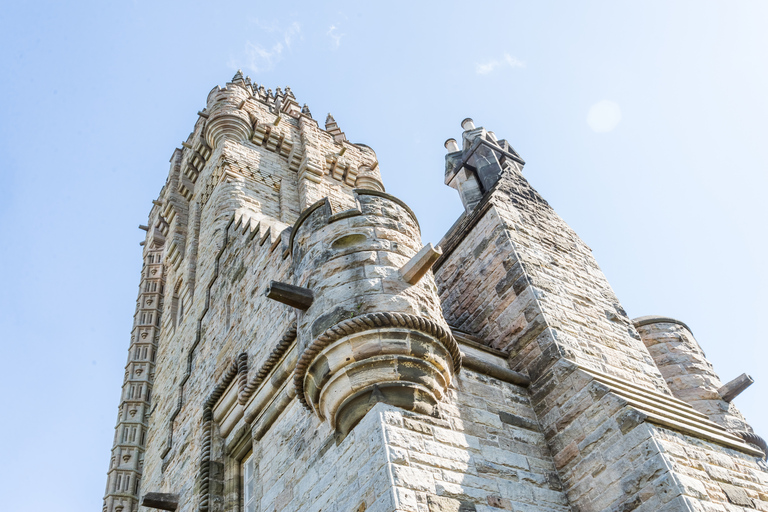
point(160, 500)
point(294, 296)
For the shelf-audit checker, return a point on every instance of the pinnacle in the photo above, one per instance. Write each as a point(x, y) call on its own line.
point(238, 76)
point(333, 128)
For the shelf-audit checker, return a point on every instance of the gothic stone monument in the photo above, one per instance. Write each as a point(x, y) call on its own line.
point(296, 348)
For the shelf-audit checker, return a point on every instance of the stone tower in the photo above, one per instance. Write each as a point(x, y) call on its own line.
point(296, 348)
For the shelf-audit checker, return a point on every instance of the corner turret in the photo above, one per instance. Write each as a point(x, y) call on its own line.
point(371, 333)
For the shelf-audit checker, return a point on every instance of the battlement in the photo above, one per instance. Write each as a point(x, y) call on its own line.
point(296, 347)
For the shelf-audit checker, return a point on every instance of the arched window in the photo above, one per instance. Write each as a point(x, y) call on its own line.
point(177, 304)
point(228, 312)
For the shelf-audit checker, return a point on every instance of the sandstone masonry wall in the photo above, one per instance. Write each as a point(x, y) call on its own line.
point(298, 361)
point(515, 275)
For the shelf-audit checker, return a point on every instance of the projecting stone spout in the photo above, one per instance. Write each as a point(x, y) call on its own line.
point(369, 335)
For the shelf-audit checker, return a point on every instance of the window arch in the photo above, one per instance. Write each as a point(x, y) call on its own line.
point(228, 313)
point(177, 304)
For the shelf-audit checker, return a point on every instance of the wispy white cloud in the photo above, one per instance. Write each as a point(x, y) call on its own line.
point(335, 36)
point(486, 67)
point(513, 61)
point(263, 57)
point(294, 30)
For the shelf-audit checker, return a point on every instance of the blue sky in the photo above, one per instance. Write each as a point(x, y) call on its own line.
point(643, 124)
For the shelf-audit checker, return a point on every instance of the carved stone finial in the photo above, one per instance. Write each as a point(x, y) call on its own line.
point(333, 128)
point(238, 76)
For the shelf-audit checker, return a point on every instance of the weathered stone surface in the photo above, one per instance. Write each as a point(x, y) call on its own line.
point(160, 500)
point(690, 376)
point(357, 400)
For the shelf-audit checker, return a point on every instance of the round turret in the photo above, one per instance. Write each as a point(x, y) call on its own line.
point(368, 336)
point(226, 120)
point(689, 374)
point(369, 179)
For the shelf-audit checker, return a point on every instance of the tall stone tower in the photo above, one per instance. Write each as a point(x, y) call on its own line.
point(296, 348)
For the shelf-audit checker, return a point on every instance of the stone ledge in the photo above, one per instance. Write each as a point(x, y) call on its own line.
point(669, 412)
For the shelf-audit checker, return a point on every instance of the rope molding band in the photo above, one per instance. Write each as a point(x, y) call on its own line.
point(205, 452)
point(367, 322)
point(246, 388)
point(753, 439)
point(251, 385)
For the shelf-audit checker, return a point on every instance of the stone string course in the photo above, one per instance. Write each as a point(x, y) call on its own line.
point(595, 412)
point(368, 322)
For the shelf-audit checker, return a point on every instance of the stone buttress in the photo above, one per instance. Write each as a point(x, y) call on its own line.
point(628, 429)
